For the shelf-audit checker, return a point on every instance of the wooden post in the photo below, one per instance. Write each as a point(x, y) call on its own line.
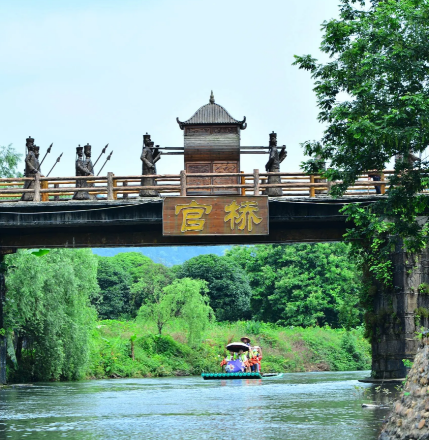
point(57, 197)
point(183, 183)
point(312, 189)
point(383, 187)
point(44, 185)
point(256, 182)
point(36, 197)
point(110, 186)
point(243, 182)
point(125, 195)
point(115, 193)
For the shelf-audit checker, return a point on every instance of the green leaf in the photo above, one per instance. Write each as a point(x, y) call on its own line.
point(40, 252)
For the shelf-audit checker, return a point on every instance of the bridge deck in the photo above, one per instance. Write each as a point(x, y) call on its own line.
point(138, 222)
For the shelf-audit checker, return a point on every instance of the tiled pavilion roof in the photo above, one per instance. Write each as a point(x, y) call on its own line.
point(212, 113)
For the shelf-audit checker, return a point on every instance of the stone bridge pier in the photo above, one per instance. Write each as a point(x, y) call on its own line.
point(398, 314)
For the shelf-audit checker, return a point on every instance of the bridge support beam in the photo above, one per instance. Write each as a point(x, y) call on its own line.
point(398, 313)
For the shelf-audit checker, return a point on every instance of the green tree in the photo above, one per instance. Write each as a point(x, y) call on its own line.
point(155, 276)
point(48, 308)
point(160, 309)
point(183, 299)
point(373, 97)
point(229, 289)
point(302, 284)
point(114, 280)
point(9, 160)
point(126, 279)
point(194, 307)
point(135, 263)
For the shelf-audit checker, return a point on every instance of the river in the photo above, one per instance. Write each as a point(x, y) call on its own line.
point(304, 406)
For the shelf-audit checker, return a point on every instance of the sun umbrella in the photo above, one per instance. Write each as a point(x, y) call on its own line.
point(237, 346)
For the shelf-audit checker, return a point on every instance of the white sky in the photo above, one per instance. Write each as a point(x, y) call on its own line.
point(77, 71)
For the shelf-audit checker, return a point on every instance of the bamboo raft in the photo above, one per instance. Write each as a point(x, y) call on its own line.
point(216, 376)
point(222, 376)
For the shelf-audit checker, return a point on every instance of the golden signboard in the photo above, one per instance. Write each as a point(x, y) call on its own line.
point(222, 215)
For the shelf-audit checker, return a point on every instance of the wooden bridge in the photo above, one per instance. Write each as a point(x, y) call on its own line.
point(114, 187)
point(118, 217)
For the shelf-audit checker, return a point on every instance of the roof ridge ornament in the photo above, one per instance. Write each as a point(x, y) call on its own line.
point(212, 100)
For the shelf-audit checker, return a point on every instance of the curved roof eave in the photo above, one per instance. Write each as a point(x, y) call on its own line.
point(212, 114)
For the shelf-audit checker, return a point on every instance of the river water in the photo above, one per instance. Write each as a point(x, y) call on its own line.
point(304, 406)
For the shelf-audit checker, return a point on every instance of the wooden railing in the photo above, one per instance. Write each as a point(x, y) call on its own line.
point(113, 187)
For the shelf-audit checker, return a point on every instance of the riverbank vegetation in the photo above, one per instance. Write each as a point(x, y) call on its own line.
point(127, 349)
point(70, 314)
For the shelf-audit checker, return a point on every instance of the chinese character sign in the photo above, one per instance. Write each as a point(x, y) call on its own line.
point(192, 216)
point(243, 215)
point(222, 215)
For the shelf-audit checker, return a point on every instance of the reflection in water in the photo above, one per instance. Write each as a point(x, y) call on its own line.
point(302, 406)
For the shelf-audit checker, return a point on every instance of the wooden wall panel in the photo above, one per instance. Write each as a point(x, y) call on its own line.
point(225, 167)
point(199, 167)
point(217, 145)
point(209, 154)
point(214, 136)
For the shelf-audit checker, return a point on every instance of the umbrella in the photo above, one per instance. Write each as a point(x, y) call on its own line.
point(237, 346)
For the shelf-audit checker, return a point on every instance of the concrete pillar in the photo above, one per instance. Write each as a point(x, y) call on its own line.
point(393, 320)
point(3, 347)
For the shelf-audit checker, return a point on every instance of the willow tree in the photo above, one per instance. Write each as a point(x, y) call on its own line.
point(193, 306)
point(184, 299)
point(49, 313)
point(373, 96)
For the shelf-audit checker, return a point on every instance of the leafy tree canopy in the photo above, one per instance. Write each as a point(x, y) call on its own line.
point(48, 307)
point(126, 280)
point(228, 285)
point(373, 96)
point(183, 299)
point(9, 160)
point(135, 263)
point(302, 284)
point(154, 277)
point(114, 280)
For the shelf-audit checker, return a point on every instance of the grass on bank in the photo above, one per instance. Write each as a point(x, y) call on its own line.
point(128, 349)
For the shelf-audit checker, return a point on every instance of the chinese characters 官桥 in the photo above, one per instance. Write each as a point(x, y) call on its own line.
point(240, 216)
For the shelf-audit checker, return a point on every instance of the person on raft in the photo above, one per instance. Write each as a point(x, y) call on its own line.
point(243, 361)
point(255, 360)
point(233, 363)
point(246, 340)
point(242, 355)
point(254, 355)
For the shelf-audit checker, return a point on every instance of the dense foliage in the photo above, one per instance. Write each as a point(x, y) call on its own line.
point(160, 320)
point(184, 299)
point(114, 300)
point(48, 314)
point(155, 277)
point(302, 284)
point(126, 281)
point(373, 96)
point(9, 160)
point(228, 286)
